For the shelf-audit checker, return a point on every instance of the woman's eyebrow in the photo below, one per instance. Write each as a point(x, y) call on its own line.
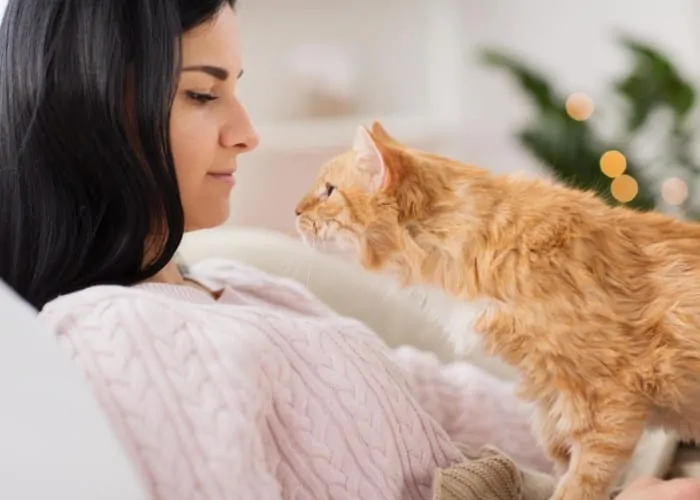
point(215, 71)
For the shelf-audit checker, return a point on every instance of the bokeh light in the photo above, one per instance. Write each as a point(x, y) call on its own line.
point(674, 191)
point(613, 163)
point(579, 106)
point(624, 188)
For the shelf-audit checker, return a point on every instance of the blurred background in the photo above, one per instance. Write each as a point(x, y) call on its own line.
point(600, 93)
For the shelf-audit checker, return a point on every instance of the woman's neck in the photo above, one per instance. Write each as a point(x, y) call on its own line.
point(170, 274)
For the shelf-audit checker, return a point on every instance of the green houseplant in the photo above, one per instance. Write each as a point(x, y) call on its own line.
point(573, 148)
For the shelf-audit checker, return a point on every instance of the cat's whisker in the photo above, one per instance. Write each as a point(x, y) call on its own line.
point(301, 271)
point(308, 274)
point(313, 242)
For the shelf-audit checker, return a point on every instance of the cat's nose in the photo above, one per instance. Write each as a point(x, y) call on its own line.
point(297, 212)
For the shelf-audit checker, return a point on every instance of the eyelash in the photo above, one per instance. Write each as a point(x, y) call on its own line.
point(201, 98)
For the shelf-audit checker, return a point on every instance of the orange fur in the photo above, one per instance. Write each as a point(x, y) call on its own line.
point(597, 306)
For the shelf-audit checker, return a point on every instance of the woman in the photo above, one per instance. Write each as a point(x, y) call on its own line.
point(121, 130)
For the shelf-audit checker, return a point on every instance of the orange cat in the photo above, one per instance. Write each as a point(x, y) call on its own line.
point(598, 307)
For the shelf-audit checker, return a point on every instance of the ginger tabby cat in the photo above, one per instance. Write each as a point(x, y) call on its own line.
point(598, 307)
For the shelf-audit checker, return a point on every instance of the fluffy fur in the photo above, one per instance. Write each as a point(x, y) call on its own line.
point(597, 306)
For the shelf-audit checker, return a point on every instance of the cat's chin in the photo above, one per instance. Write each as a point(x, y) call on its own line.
point(333, 247)
point(343, 251)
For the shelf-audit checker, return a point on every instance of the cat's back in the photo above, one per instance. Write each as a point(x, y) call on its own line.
point(573, 244)
point(601, 286)
point(547, 219)
point(657, 245)
point(663, 235)
point(638, 267)
point(588, 227)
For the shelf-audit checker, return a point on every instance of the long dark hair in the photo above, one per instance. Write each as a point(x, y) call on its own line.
point(86, 170)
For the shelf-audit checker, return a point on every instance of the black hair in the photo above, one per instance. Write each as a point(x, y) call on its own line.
point(86, 170)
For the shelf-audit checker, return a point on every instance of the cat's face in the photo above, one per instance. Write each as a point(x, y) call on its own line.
point(335, 209)
point(363, 198)
point(342, 203)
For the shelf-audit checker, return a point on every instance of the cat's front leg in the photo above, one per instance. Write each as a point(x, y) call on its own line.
point(599, 453)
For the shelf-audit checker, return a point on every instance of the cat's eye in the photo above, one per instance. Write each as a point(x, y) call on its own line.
point(329, 189)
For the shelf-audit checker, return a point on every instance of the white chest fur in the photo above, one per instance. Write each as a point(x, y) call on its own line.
point(456, 317)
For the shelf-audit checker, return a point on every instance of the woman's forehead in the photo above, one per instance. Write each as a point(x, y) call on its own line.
point(214, 43)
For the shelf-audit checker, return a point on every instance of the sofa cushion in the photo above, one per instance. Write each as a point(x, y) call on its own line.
point(56, 442)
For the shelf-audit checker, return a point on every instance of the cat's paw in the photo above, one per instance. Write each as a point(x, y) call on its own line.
point(572, 492)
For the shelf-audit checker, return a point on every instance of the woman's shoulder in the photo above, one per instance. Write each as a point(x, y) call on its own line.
point(107, 306)
point(109, 297)
point(91, 297)
point(100, 304)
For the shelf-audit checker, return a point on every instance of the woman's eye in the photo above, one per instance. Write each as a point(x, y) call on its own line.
point(201, 98)
point(329, 189)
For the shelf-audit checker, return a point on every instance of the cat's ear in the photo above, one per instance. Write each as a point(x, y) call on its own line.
point(370, 159)
point(380, 133)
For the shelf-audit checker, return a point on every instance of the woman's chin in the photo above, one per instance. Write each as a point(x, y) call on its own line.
point(209, 221)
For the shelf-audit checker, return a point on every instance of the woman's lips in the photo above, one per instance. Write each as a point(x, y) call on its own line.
point(228, 178)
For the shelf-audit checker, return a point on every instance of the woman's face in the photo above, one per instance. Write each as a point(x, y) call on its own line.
point(209, 127)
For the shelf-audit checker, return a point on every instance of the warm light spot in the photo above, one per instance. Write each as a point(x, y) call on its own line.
point(579, 106)
point(624, 188)
point(674, 191)
point(613, 163)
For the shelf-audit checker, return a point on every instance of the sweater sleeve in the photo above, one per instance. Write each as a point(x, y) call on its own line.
point(474, 407)
point(156, 389)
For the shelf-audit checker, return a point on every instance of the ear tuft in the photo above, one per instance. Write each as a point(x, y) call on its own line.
point(380, 133)
point(378, 129)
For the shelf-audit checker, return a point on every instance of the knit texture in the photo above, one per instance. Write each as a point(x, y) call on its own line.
point(266, 393)
point(491, 476)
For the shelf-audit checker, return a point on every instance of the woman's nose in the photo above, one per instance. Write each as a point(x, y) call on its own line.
point(239, 133)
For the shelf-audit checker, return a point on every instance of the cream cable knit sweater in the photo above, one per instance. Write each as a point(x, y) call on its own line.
point(267, 393)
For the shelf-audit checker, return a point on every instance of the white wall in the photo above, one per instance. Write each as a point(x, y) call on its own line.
point(572, 41)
